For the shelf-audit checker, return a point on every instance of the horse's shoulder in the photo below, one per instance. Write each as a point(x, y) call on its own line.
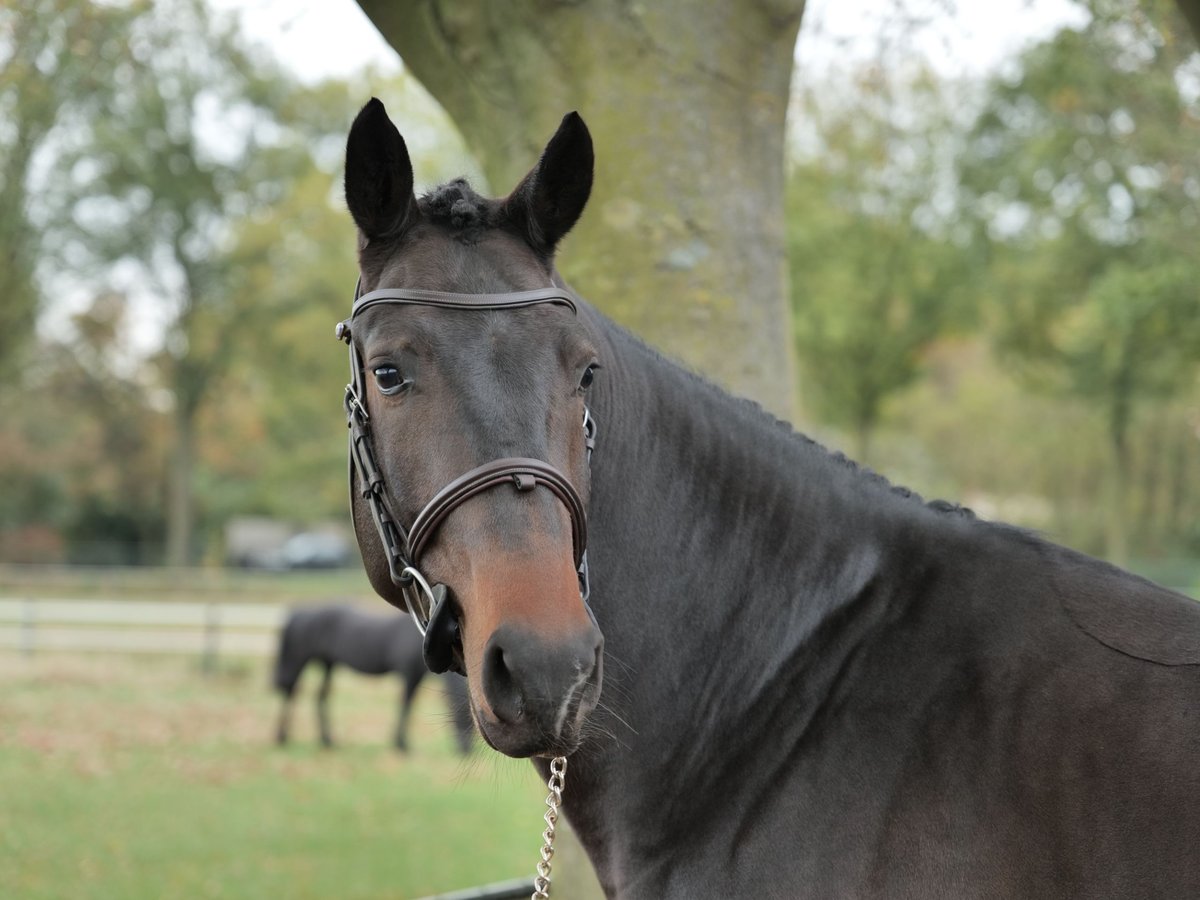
point(1127, 613)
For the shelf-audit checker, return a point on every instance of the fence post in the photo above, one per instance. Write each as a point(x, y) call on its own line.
point(28, 622)
point(212, 636)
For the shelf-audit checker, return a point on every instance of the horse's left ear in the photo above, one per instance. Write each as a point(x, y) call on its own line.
point(550, 199)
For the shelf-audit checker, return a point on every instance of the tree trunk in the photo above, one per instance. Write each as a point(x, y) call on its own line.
point(179, 488)
point(1191, 12)
point(864, 428)
point(1116, 538)
point(683, 240)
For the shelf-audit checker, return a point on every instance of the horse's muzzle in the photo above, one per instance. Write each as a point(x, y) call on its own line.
point(539, 691)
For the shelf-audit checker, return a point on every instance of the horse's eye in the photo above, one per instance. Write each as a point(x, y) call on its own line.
point(389, 380)
point(589, 375)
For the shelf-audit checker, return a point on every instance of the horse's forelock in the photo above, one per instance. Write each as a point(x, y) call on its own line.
point(456, 205)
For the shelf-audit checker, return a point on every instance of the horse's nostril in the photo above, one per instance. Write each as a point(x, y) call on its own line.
point(526, 678)
point(500, 687)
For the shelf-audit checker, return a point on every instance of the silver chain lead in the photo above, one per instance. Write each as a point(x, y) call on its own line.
point(558, 777)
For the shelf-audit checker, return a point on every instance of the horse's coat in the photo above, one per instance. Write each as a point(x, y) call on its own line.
point(816, 684)
point(369, 643)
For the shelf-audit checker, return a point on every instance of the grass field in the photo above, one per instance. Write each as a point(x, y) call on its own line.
point(139, 777)
point(194, 584)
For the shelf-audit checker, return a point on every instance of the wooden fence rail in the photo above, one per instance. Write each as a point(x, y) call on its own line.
point(210, 629)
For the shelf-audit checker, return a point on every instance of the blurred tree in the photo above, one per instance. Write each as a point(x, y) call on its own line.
point(876, 276)
point(56, 65)
point(280, 422)
point(972, 430)
point(284, 406)
point(684, 238)
point(1085, 173)
point(157, 183)
point(114, 480)
point(1191, 12)
point(85, 444)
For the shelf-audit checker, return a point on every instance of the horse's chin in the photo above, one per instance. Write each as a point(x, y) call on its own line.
point(522, 741)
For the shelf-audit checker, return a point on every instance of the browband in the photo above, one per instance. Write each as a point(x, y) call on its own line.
point(447, 300)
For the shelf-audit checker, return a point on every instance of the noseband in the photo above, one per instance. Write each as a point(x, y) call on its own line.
point(428, 604)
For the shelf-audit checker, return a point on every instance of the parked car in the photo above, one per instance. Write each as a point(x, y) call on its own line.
point(315, 550)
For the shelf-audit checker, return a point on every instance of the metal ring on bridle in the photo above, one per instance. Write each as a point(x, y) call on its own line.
point(421, 620)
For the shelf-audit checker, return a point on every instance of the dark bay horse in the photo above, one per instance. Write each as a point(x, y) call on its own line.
point(816, 685)
point(369, 643)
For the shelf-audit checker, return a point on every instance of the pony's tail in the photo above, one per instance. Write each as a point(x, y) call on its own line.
point(285, 675)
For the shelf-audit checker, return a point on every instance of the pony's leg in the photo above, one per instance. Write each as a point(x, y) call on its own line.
point(285, 718)
point(406, 695)
point(323, 706)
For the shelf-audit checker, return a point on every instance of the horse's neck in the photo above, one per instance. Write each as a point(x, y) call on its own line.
point(723, 545)
point(713, 513)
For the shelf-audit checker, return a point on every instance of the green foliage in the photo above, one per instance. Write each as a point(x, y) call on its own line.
point(56, 63)
point(200, 135)
point(1058, 227)
point(115, 468)
point(875, 279)
point(972, 431)
point(152, 181)
point(1083, 173)
point(177, 158)
point(201, 204)
point(83, 448)
point(156, 183)
point(276, 443)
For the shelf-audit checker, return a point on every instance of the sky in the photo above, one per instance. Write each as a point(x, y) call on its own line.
point(315, 39)
point(331, 38)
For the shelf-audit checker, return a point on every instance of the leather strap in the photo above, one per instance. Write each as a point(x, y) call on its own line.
point(524, 474)
point(447, 300)
point(404, 547)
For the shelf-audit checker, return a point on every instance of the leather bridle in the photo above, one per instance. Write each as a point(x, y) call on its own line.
point(403, 547)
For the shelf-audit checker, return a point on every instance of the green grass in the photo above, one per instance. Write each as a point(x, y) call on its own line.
point(135, 778)
point(195, 584)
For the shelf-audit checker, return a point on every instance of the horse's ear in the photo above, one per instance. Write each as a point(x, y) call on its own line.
point(379, 175)
point(550, 199)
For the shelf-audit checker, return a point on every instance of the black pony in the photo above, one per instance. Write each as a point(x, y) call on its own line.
point(814, 685)
point(370, 643)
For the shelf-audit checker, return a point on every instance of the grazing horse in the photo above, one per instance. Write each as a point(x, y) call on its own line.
point(369, 643)
point(815, 683)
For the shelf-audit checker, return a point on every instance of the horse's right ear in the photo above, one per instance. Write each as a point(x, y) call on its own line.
point(379, 175)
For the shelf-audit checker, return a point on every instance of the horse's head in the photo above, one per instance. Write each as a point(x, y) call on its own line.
point(450, 387)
